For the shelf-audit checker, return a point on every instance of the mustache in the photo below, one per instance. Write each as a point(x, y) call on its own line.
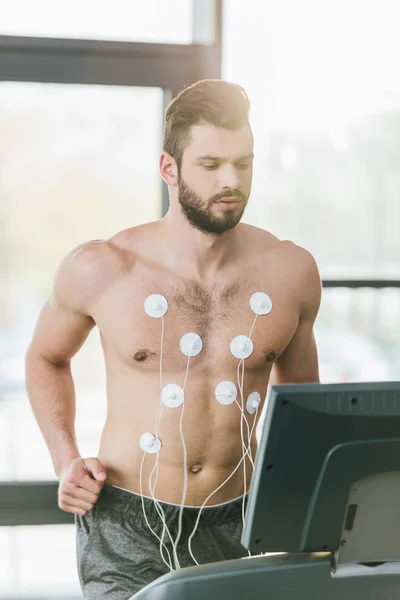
point(236, 194)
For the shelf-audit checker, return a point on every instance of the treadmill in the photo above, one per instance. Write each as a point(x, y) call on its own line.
point(323, 513)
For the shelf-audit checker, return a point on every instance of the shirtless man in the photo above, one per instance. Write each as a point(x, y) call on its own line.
point(206, 266)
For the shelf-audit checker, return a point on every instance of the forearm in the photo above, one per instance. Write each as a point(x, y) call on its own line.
point(51, 394)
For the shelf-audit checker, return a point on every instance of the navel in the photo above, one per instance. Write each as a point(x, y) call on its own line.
point(195, 469)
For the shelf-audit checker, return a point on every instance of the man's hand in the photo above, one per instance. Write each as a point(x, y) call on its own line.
point(80, 485)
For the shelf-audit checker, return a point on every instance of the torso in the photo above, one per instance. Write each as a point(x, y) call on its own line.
point(132, 342)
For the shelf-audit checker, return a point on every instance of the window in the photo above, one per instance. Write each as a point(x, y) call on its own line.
point(326, 120)
point(38, 562)
point(77, 163)
point(357, 334)
point(120, 20)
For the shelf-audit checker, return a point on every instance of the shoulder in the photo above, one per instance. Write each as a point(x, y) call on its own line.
point(296, 266)
point(89, 269)
point(305, 273)
point(299, 258)
point(291, 254)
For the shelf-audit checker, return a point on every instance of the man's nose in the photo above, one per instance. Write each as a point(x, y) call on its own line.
point(229, 177)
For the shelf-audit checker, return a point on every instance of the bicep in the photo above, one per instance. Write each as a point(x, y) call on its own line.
point(299, 361)
point(64, 322)
point(60, 332)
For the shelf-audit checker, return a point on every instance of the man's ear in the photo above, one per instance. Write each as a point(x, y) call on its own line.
point(168, 169)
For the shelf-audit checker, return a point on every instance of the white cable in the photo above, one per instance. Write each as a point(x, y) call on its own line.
point(152, 488)
point(249, 448)
point(254, 424)
point(202, 506)
point(157, 505)
point(214, 492)
point(243, 417)
point(248, 431)
point(250, 455)
point(169, 564)
point(245, 451)
point(180, 516)
point(246, 448)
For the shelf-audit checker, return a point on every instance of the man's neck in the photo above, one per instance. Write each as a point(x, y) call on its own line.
point(194, 254)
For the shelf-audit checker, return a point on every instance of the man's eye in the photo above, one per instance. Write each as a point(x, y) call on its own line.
point(210, 167)
point(243, 166)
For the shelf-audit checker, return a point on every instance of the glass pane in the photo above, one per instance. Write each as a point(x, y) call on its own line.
point(23, 452)
point(38, 562)
point(326, 119)
point(357, 334)
point(76, 163)
point(123, 20)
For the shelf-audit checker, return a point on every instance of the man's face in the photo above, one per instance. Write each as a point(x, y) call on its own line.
point(217, 167)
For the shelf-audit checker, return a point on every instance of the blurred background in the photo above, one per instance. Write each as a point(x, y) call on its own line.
point(83, 86)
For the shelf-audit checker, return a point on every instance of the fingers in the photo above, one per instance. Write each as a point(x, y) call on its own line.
point(82, 479)
point(78, 490)
point(94, 466)
point(78, 493)
point(76, 499)
point(74, 505)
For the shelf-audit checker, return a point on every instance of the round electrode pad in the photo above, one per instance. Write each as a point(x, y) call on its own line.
point(226, 392)
point(261, 303)
point(253, 402)
point(241, 346)
point(155, 306)
point(149, 443)
point(191, 344)
point(172, 395)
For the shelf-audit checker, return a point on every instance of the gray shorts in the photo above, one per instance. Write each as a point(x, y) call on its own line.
point(117, 555)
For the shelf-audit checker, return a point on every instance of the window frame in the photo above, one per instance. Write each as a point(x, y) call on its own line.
point(95, 62)
point(170, 67)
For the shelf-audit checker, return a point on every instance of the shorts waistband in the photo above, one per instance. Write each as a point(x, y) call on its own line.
point(132, 504)
point(178, 505)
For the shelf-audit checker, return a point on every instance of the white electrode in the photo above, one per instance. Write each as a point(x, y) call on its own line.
point(242, 346)
point(253, 402)
point(149, 443)
point(261, 304)
point(191, 344)
point(155, 306)
point(172, 395)
point(226, 392)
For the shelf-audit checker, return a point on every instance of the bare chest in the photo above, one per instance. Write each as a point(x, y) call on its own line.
point(217, 316)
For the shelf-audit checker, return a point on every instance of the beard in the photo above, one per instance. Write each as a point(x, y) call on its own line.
point(199, 213)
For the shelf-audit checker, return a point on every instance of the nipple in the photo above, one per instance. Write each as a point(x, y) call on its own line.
point(242, 346)
point(172, 395)
point(260, 303)
point(155, 306)
point(149, 443)
point(226, 392)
